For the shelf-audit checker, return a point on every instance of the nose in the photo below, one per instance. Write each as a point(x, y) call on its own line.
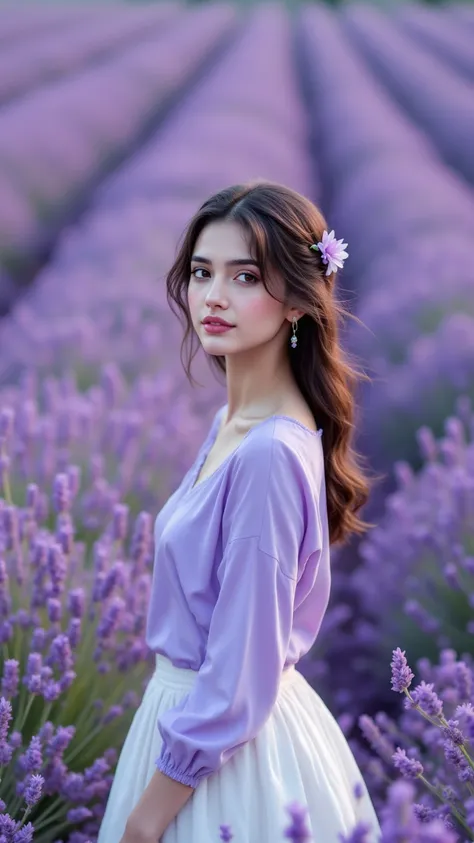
point(216, 295)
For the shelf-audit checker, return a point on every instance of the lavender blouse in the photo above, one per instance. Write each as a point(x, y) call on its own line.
point(241, 583)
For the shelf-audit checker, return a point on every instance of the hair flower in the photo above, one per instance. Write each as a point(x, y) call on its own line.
point(332, 251)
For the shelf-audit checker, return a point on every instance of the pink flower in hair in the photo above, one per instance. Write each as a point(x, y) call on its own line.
point(332, 251)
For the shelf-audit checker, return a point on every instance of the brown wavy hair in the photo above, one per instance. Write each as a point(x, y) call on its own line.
point(281, 225)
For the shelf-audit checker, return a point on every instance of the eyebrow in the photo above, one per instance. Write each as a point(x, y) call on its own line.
point(235, 262)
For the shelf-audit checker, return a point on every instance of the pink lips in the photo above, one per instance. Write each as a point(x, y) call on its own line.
point(216, 328)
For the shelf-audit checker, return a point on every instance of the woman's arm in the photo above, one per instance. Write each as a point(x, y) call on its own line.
point(159, 804)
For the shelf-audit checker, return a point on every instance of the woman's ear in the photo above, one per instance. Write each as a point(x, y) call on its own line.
point(294, 312)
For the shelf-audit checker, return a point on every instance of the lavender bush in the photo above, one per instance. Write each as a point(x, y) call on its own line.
point(425, 586)
point(439, 368)
point(413, 582)
point(74, 589)
point(430, 742)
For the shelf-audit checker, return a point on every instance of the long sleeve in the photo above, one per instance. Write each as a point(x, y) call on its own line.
point(270, 530)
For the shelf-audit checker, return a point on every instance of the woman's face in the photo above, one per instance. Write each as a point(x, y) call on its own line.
point(225, 282)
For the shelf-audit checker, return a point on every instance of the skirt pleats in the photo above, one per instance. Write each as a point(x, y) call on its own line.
point(300, 754)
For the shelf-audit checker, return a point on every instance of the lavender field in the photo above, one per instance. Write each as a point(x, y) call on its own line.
point(116, 122)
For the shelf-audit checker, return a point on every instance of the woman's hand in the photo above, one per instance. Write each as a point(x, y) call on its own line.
point(140, 829)
point(159, 804)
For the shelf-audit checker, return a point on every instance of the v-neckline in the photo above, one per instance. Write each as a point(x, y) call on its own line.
point(212, 439)
point(214, 434)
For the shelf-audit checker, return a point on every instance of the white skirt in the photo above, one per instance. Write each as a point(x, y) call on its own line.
point(300, 754)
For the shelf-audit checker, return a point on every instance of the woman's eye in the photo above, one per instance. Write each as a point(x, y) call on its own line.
point(253, 278)
point(198, 269)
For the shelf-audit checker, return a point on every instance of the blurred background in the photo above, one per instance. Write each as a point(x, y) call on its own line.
point(116, 121)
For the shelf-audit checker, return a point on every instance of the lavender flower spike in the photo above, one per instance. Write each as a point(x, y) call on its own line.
point(411, 768)
point(34, 789)
point(359, 834)
point(5, 717)
point(401, 673)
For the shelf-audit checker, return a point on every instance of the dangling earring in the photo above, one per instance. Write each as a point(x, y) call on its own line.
point(294, 338)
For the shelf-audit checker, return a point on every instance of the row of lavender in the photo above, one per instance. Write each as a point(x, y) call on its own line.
point(28, 22)
point(110, 434)
point(57, 139)
point(26, 64)
point(397, 191)
point(401, 198)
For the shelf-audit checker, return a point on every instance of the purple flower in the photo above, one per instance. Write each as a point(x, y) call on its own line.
point(74, 479)
point(6, 752)
point(5, 597)
point(425, 696)
point(6, 632)
point(7, 419)
point(46, 732)
point(226, 833)
point(15, 740)
point(67, 680)
point(401, 673)
point(32, 679)
point(78, 815)
point(411, 768)
point(423, 813)
point(7, 825)
point(453, 733)
point(130, 699)
point(31, 760)
point(111, 617)
point(55, 774)
point(10, 678)
point(24, 834)
point(74, 632)
point(332, 251)
point(463, 680)
point(54, 608)
point(76, 602)
point(97, 771)
point(61, 740)
point(73, 787)
point(11, 527)
point(374, 736)
point(38, 638)
point(469, 806)
point(32, 494)
point(113, 712)
point(5, 717)
point(65, 537)
point(114, 577)
point(33, 789)
point(120, 522)
point(359, 790)
point(360, 834)
point(142, 537)
point(60, 653)
point(61, 493)
point(51, 691)
point(34, 758)
point(298, 830)
point(57, 569)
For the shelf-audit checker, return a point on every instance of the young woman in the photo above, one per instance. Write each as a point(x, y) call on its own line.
point(229, 733)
